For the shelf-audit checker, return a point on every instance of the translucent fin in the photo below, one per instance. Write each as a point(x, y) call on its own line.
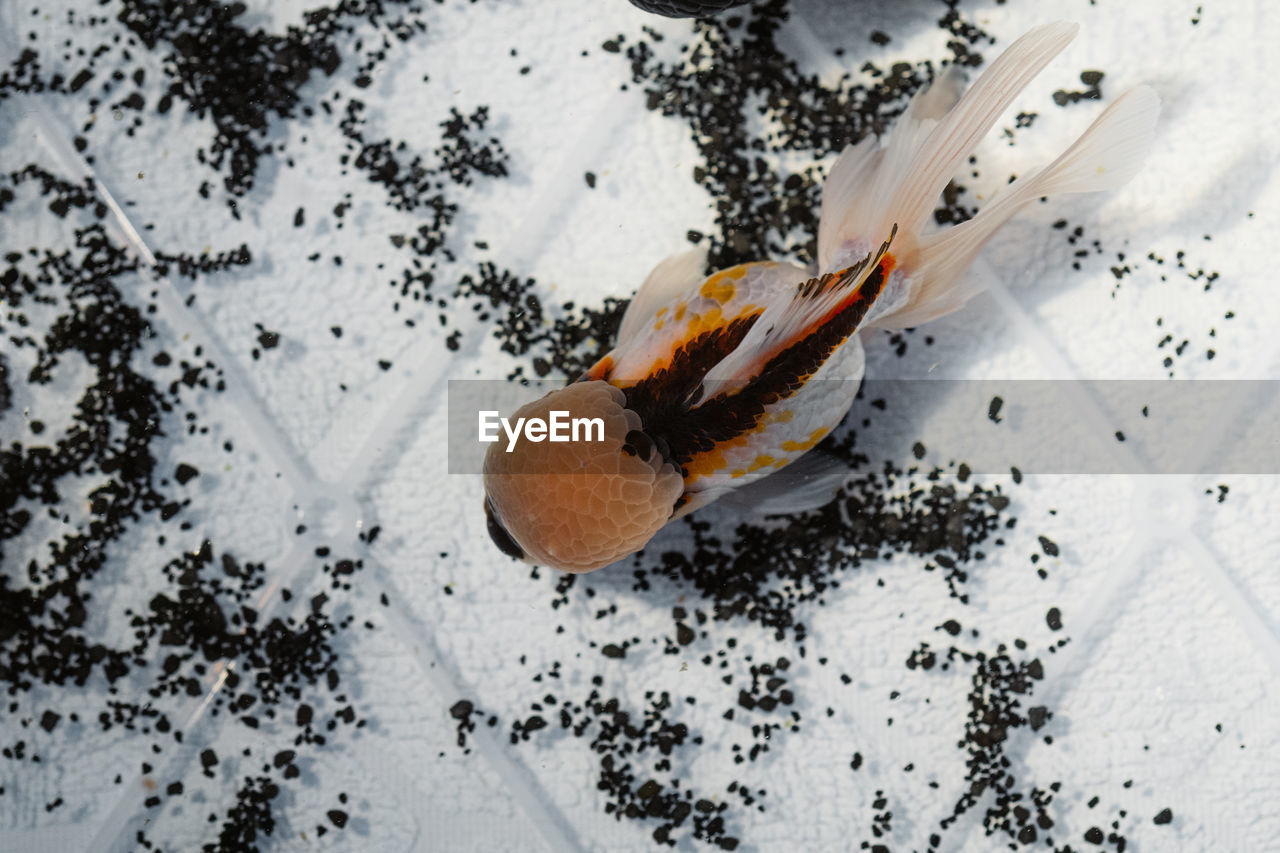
point(697, 500)
point(810, 482)
point(669, 280)
point(1105, 157)
point(1109, 153)
point(847, 181)
point(936, 99)
point(856, 167)
point(927, 148)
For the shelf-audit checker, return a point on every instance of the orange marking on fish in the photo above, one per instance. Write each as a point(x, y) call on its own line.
point(698, 324)
point(718, 289)
point(886, 266)
point(601, 368)
point(797, 446)
point(710, 461)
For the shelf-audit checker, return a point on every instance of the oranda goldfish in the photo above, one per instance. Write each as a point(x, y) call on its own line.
point(717, 382)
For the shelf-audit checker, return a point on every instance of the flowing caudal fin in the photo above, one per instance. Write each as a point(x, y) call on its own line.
point(1105, 157)
point(900, 183)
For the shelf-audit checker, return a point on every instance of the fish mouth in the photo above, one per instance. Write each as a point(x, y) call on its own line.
point(498, 533)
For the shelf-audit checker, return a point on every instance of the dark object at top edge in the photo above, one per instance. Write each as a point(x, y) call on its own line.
point(686, 8)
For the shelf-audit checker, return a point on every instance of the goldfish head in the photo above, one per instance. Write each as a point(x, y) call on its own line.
point(581, 504)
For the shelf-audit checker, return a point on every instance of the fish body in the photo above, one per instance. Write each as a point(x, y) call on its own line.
point(717, 382)
point(725, 434)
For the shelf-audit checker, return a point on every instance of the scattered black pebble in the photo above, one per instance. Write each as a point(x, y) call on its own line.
point(243, 79)
point(49, 720)
point(200, 611)
point(634, 751)
point(1093, 91)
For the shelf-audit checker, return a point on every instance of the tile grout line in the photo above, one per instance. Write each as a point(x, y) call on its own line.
point(294, 470)
point(398, 416)
point(525, 248)
point(111, 833)
point(531, 796)
point(1236, 595)
point(271, 443)
point(425, 380)
point(1233, 597)
point(1236, 599)
point(1239, 601)
point(188, 321)
point(1094, 628)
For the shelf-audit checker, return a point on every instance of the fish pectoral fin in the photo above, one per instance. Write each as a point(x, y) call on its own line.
point(671, 279)
point(697, 500)
point(795, 315)
point(812, 481)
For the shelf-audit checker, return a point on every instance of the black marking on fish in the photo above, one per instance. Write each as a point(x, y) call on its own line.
point(673, 386)
point(691, 430)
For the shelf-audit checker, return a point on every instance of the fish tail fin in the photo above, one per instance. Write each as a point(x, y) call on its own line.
point(1109, 153)
point(1105, 157)
point(872, 186)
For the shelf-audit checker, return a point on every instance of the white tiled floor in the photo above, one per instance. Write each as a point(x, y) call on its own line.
point(1169, 597)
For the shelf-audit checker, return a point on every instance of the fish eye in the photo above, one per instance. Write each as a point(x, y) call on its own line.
point(499, 534)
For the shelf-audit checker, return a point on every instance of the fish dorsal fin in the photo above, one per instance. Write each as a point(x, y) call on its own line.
point(670, 280)
point(790, 319)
